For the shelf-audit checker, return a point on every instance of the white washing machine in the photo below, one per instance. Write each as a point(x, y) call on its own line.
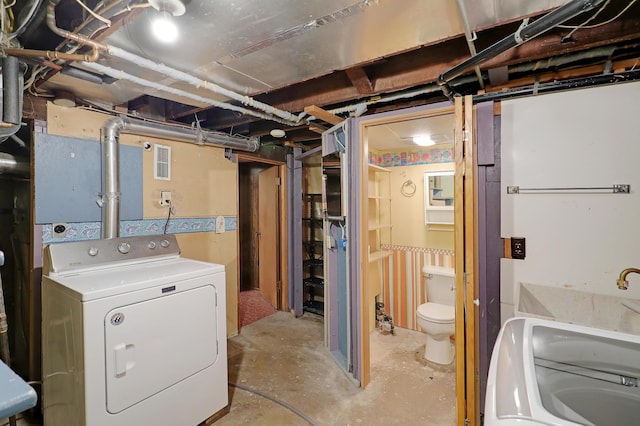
point(133, 334)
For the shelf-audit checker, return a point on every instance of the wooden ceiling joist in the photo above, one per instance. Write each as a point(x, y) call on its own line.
point(360, 80)
point(323, 115)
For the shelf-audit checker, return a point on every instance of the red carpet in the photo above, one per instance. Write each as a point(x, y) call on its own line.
point(253, 306)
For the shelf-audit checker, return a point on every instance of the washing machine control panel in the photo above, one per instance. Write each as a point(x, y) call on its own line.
point(124, 248)
point(83, 254)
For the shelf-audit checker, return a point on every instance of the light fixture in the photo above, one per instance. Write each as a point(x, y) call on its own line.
point(277, 133)
point(162, 26)
point(423, 140)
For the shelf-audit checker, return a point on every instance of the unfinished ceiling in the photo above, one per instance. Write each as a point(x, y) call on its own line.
point(292, 54)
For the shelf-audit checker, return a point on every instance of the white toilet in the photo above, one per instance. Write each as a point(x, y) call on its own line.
point(437, 316)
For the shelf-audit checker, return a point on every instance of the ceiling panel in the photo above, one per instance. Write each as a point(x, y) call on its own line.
point(487, 13)
point(254, 46)
point(399, 134)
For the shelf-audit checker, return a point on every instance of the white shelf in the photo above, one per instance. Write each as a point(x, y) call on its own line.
point(379, 255)
point(379, 197)
point(375, 168)
point(377, 226)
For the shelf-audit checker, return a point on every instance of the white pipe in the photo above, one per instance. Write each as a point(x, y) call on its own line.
point(283, 117)
point(469, 37)
point(197, 82)
point(121, 75)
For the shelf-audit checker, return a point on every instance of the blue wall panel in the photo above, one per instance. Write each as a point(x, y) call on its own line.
point(68, 180)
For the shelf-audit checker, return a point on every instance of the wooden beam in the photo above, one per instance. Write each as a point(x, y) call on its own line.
point(322, 114)
point(360, 80)
point(317, 129)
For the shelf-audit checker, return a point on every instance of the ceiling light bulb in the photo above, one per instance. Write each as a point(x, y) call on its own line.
point(163, 28)
point(423, 141)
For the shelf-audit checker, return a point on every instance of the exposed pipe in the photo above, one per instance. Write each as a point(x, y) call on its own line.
point(121, 75)
point(12, 82)
point(51, 23)
point(197, 82)
point(110, 158)
point(469, 37)
point(52, 54)
point(13, 165)
point(523, 34)
point(553, 86)
point(283, 117)
point(11, 90)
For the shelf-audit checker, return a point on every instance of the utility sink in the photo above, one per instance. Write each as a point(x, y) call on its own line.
point(546, 372)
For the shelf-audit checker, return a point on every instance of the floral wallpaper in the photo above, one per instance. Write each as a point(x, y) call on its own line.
point(92, 230)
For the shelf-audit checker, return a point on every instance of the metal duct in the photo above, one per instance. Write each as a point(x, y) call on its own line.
point(13, 165)
point(110, 157)
point(12, 82)
point(524, 33)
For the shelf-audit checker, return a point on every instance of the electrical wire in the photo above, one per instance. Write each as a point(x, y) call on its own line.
point(168, 217)
point(280, 402)
point(608, 21)
point(94, 14)
point(32, 13)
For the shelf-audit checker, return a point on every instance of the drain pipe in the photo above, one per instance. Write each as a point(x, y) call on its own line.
point(525, 33)
point(111, 131)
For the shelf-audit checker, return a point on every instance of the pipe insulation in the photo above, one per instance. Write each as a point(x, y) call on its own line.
point(266, 111)
point(197, 82)
point(522, 35)
point(121, 75)
point(110, 160)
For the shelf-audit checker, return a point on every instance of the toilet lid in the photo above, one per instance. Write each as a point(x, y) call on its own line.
point(437, 312)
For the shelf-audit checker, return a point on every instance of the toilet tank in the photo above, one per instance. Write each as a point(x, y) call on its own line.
point(440, 283)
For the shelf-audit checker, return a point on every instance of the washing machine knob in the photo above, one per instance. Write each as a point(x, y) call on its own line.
point(93, 251)
point(124, 248)
point(164, 243)
point(151, 245)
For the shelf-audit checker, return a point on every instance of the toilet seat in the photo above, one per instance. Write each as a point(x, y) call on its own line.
point(437, 312)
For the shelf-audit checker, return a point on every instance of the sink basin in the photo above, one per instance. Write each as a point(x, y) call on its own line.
point(616, 313)
point(546, 372)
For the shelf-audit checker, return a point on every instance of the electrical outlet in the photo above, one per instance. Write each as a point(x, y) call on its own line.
point(518, 248)
point(59, 230)
point(165, 198)
point(220, 225)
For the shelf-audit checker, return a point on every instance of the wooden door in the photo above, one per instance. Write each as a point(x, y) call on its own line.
point(466, 264)
point(268, 247)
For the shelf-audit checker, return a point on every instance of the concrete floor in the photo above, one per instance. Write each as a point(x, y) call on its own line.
point(284, 358)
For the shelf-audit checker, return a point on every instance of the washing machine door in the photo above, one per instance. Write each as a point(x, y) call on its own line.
point(153, 344)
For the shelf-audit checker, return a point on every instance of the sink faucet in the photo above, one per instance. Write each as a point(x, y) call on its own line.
point(622, 282)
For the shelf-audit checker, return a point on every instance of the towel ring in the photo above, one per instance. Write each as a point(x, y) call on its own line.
point(408, 188)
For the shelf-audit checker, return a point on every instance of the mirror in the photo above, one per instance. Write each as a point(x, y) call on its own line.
point(438, 197)
point(440, 189)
